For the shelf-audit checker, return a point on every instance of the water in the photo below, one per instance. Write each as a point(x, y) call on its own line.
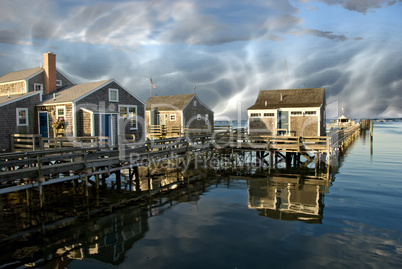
point(247, 222)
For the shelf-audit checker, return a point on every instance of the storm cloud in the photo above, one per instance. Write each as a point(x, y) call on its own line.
point(226, 50)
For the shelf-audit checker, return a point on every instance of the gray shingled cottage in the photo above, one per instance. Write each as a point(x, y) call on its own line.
point(37, 97)
point(175, 114)
point(293, 112)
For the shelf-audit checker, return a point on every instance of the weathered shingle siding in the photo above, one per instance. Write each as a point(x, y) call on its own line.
point(101, 99)
point(13, 87)
point(266, 126)
point(39, 78)
point(83, 123)
point(52, 117)
point(304, 125)
point(65, 81)
point(190, 114)
point(9, 120)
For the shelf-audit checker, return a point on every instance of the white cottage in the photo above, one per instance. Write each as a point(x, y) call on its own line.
point(293, 112)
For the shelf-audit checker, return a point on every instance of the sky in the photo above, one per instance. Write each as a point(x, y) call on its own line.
point(224, 50)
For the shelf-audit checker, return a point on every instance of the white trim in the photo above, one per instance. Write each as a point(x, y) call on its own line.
point(56, 104)
point(18, 109)
point(14, 81)
point(57, 112)
point(20, 98)
point(33, 75)
point(61, 73)
point(195, 96)
point(129, 92)
point(111, 90)
point(92, 119)
point(128, 109)
point(104, 85)
point(74, 123)
point(42, 87)
point(144, 126)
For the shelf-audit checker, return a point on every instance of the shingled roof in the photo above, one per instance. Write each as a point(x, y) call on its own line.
point(73, 92)
point(170, 102)
point(274, 99)
point(20, 75)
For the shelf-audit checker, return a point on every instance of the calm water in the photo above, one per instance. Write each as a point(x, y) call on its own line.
point(255, 222)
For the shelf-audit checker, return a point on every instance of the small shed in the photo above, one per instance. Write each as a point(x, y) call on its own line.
point(292, 112)
point(172, 115)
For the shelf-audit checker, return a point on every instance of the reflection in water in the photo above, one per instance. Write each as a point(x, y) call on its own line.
point(288, 197)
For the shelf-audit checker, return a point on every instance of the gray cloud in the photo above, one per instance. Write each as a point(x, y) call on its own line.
point(329, 35)
point(362, 6)
point(229, 56)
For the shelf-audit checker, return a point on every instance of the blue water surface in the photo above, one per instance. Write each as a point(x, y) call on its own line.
point(360, 226)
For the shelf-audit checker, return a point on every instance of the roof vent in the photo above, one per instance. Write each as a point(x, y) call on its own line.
point(266, 103)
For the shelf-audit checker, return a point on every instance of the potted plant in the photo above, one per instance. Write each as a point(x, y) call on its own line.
point(58, 126)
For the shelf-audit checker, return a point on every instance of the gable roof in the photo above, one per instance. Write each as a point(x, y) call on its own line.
point(20, 75)
point(169, 102)
point(309, 97)
point(72, 93)
point(5, 100)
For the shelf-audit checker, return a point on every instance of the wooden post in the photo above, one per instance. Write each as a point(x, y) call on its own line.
point(12, 142)
point(371, 137)
point(118, 179)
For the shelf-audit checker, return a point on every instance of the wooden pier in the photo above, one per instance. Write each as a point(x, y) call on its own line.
point(232, 149)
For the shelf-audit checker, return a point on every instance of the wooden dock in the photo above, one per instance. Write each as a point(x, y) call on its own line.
point(37, 168)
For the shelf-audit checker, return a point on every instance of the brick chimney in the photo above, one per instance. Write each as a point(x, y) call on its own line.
point(49, 64)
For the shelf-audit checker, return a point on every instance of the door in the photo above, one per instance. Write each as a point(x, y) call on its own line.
point(283, 122)
point(161, 119)
point(43, 124)
point(106, 127)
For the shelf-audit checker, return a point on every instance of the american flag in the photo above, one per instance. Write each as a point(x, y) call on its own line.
point(152, 83)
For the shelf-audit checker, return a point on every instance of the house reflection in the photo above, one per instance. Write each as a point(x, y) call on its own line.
point(288, 197)
point(108, 239)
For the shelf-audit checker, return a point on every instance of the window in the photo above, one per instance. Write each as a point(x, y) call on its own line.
point(38, 87)
point(296, 113)
point(113, 95)
point(22, 116)
point(206, 118)
point(60, 112)
point(59, 82)
point(195, 103)
point(172, 117)
point(309, 113)
point(129, 113)
point(255, 114)
point(269, 114)
point(198, 116)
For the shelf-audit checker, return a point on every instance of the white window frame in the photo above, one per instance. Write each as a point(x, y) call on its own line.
point(172, 117)
point(40, 86)
point(26, 116)
point(59, 82)
point(110, 95)
point(195, 103)
point(207, 118)
point(198, 116)
point(127, 107)
point(57, 112)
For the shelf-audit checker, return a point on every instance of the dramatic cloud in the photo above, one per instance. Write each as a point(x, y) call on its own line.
point(228, 50)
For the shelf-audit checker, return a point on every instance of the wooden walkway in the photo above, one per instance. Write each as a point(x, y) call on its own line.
point(37, 168)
